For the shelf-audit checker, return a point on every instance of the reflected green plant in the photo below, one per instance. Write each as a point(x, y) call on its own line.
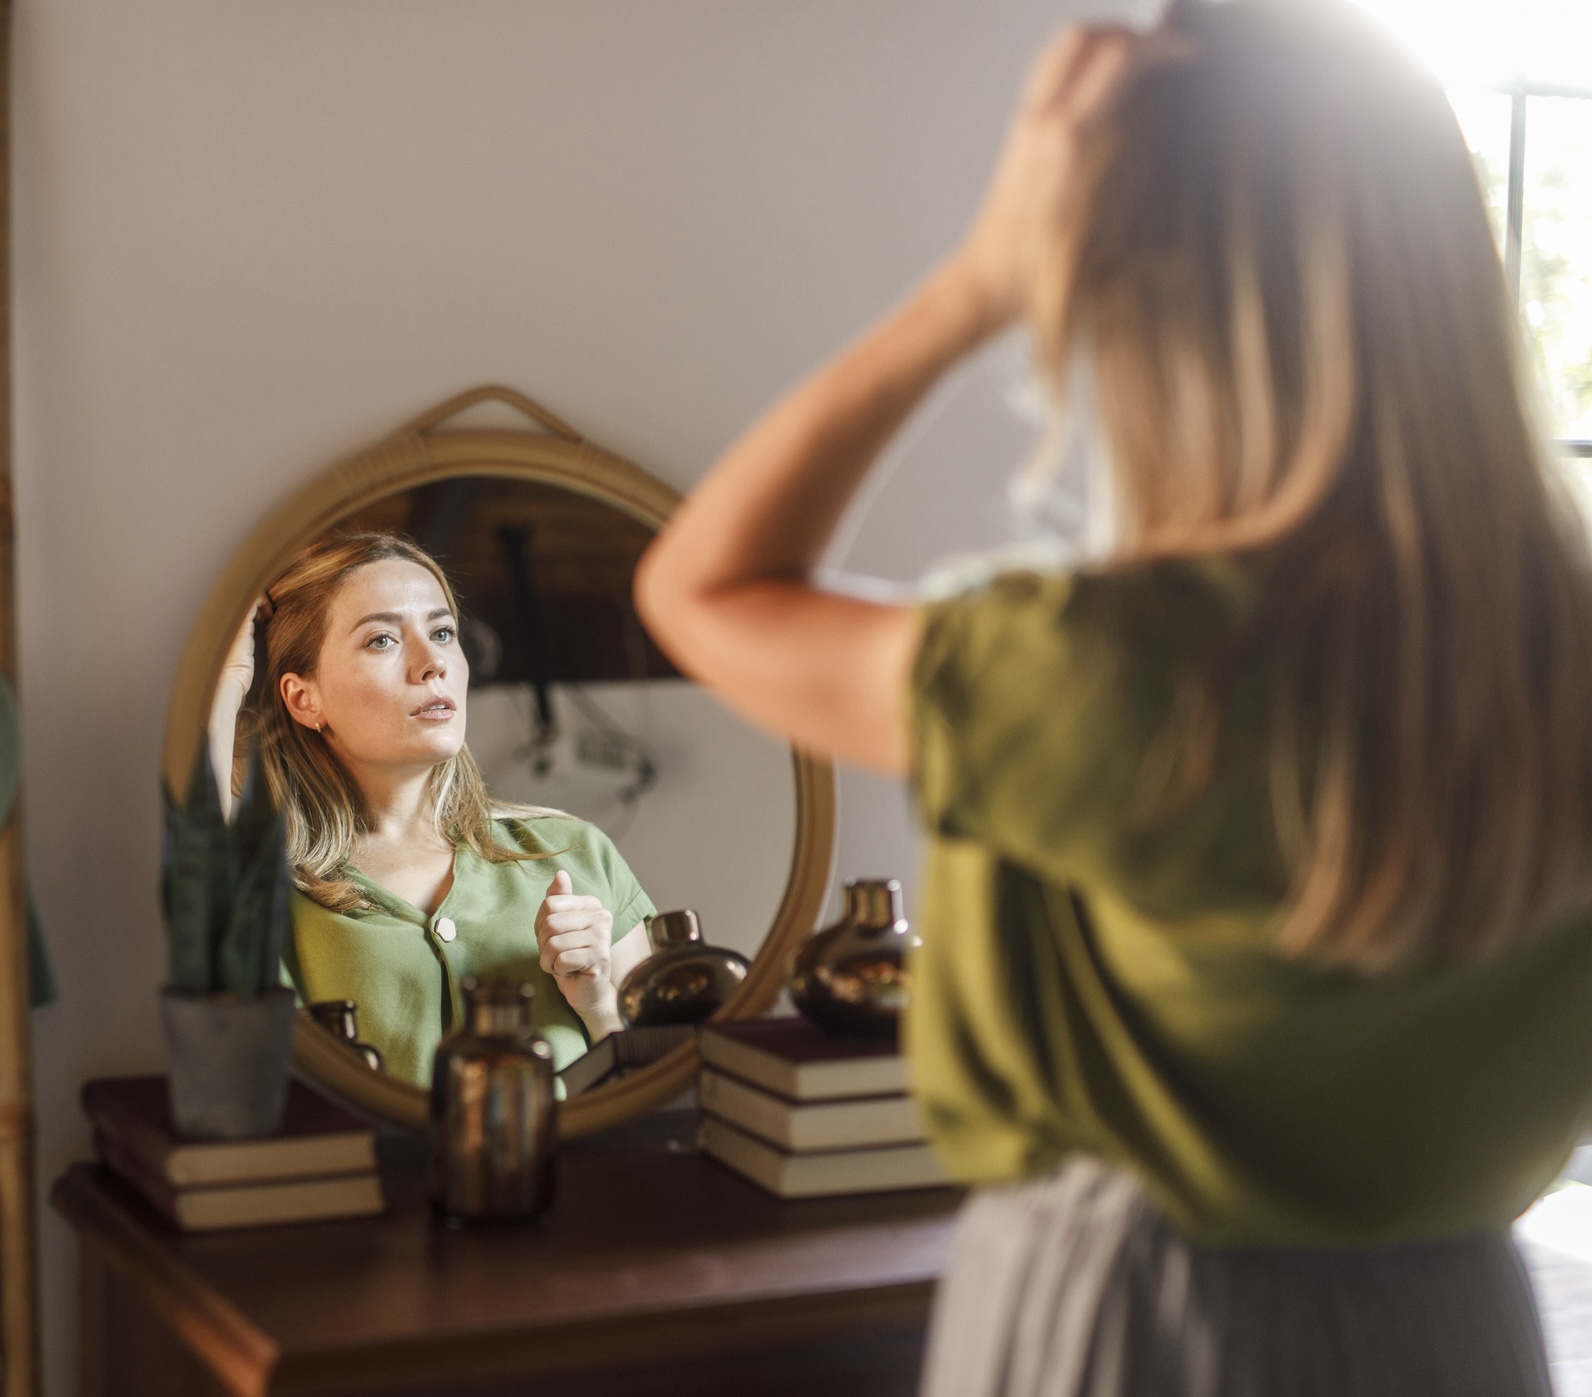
point(225, 887)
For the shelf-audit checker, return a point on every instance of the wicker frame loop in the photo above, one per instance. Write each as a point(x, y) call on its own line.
point(423, 452)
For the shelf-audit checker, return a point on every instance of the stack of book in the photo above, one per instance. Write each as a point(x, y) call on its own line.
point(321, 1164)
point(621, 1052)
point(805, 1114)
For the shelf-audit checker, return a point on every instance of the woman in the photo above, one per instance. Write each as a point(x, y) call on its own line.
point(1257, 944)
point(407, 879)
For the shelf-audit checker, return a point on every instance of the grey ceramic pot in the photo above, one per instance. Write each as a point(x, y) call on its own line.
point(227, 1062)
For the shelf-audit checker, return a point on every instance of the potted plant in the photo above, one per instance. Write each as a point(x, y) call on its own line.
point(228, 1019)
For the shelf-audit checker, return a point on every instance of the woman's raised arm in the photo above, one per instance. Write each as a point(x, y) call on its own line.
point(726, 588)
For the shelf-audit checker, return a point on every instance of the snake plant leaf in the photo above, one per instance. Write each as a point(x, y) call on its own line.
point(251, 950)
point(255, 816)
point(273, 944)
point(226, 887)
point(196, 880)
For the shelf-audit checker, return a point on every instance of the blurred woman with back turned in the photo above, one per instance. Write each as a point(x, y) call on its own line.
point(1258, 908)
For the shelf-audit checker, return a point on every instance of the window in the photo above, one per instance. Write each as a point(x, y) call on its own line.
point(1533, 147)
point(1519, 73)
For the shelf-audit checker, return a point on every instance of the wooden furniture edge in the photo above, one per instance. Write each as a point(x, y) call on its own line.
point(240, 1355)
point(650, 1336)
point(19, 1316)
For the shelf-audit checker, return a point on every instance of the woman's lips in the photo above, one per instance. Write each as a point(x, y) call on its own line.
point(437, 711)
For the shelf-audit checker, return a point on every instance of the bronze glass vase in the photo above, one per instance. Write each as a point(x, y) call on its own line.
point(492, 1117)
point(684, 980)
point(340, 1018)
point(852, 978)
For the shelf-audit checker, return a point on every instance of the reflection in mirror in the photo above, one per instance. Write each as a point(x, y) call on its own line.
point(667, 800)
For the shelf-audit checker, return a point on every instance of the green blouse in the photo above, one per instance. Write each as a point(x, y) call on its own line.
point(391, 961)
point(1096, 979)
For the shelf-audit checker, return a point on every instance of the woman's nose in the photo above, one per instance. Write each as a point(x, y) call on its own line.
point(433, 664)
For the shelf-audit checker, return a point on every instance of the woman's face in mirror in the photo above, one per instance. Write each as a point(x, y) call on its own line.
point(389, 689)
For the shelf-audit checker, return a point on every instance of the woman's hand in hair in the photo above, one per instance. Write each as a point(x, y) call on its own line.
point(1070, 83)
point(729, 588)
point(575, 934)
point(232, 688)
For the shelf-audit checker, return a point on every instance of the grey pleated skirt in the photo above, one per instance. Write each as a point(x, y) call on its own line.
point(1075, 1285)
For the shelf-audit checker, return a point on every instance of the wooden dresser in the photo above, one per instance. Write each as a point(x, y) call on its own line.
point(657, 1272)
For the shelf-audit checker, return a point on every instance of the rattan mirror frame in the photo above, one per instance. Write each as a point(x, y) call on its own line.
point(421, 453)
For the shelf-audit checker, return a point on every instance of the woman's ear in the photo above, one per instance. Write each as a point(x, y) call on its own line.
point(301, 701)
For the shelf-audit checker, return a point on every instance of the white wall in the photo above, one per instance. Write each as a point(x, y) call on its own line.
point(253, 236)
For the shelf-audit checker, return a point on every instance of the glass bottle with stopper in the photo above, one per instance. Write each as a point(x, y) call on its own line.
point(492, 1113)
point(684, 980)
point(340, 1018)
point(852, 978)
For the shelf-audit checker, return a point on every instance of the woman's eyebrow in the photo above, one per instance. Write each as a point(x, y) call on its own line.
point(394, 618)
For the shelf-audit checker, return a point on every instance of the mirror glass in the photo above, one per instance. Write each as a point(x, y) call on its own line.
point(571, 705)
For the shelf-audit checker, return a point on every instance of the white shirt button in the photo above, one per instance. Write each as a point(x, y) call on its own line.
point(445, 929)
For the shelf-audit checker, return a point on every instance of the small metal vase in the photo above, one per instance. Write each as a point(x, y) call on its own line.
point(684, 980)
point(227, 1062)
point(340, 1018)
point(852, 978)
point(492, 1115)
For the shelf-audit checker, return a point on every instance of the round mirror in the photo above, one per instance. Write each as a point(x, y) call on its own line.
point(570, 707)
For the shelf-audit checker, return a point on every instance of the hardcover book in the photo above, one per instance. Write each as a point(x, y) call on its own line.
point(246, 1205)
point(622, 1052)
point(803, 1127)
point(881, 1170)
point(799, 1061)
point(317, 1138)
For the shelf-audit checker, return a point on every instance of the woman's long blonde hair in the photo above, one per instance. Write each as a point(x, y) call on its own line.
point(1279, 264)
point(322, 806)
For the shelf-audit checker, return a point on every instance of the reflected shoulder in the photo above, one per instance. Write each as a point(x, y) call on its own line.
point(543, 830)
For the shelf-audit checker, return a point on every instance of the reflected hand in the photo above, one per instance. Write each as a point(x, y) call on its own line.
point(237, 674)
point(1069, 85)
point(232, 688)
point(575, 934)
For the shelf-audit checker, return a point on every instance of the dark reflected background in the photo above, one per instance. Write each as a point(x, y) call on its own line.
point(542, 575)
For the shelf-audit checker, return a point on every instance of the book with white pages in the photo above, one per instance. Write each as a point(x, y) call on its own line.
point(827, 1173)
point(803, 1127)
point(317, 1138)
point(623, 1051)
point(276, 1201)
point(798, 1060)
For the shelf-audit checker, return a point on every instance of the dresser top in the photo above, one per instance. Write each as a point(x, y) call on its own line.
point(648, 1243)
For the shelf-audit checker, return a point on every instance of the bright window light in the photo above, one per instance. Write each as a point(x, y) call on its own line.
point(1519, 73)
point(1493, 41)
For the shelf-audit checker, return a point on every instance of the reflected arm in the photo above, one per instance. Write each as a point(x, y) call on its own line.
point(602, 1018)
point(232, 688)
point(223, 742)
point(629, 951)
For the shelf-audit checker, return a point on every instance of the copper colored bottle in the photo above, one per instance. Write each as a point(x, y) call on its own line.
point(493, 1122)
point(684, 980)
point(340, 1018)
point(852, 978)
